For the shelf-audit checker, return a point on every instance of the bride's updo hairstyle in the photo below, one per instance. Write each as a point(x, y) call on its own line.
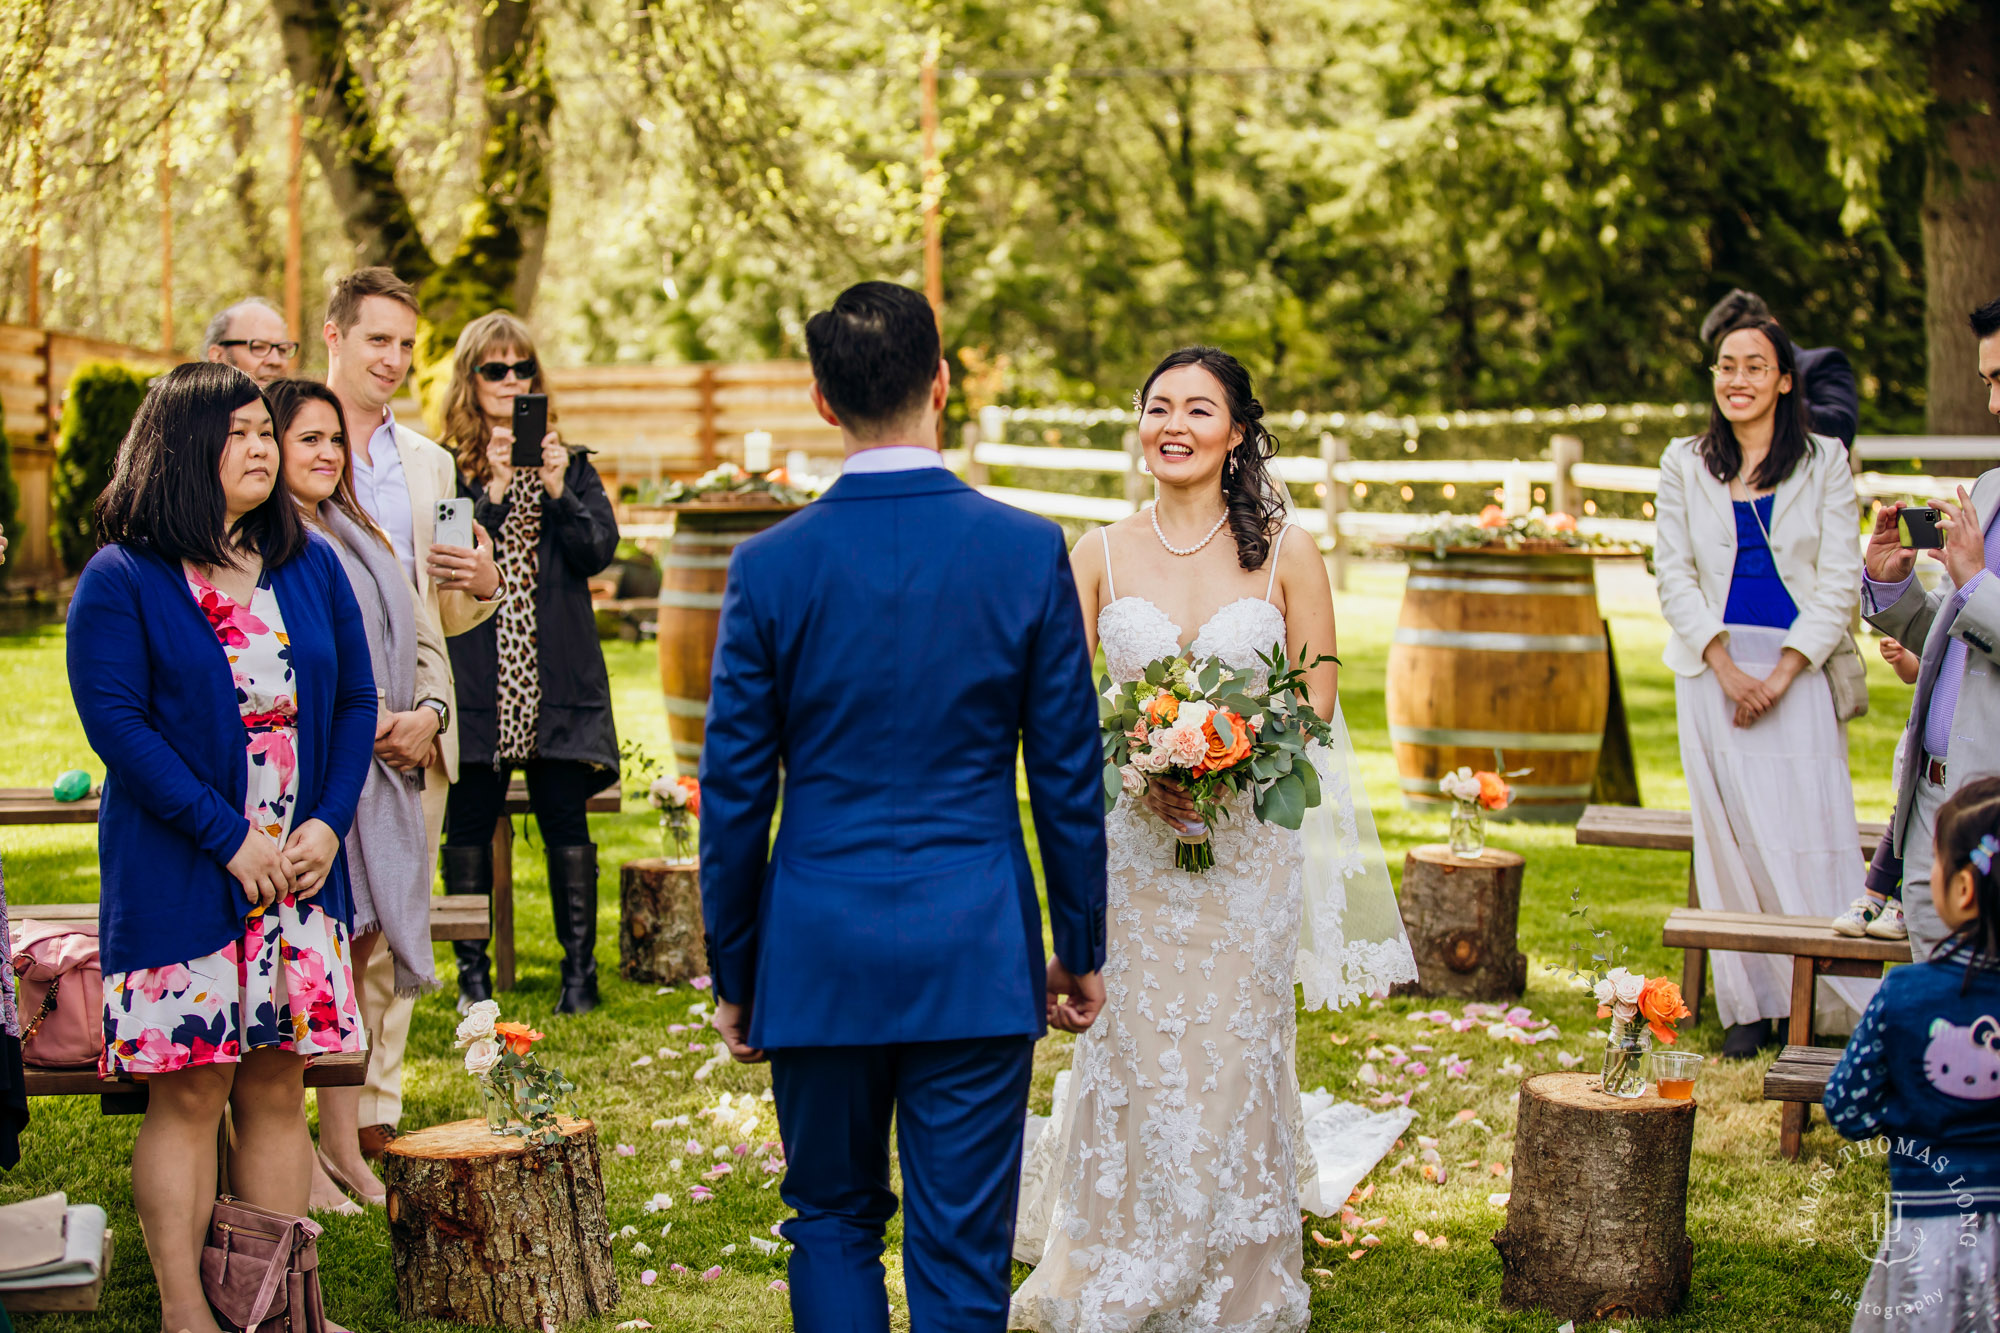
point(1256, 505)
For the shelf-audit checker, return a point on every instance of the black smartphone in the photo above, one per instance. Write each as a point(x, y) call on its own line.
point(1918, 528)
point(531, 423)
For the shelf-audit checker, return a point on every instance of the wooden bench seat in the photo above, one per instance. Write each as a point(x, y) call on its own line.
point(1799, 1074)
point(127, 1096)
point(1816, 951)
point(465, 916)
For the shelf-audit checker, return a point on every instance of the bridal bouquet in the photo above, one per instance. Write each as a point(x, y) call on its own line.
point(1204, 728)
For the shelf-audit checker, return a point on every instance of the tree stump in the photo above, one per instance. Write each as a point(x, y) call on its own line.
point(1597, 1219)
point(491, 1229)
point(659, 916)
point(1461, 914)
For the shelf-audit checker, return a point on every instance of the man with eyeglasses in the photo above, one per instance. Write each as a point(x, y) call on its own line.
point(251, 336)
point(1825, 379)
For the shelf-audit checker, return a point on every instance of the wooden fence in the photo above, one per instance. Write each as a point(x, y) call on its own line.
point(35, 370)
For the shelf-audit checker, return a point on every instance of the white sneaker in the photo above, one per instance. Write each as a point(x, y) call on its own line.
point(1860, 915)
point(1889, 925)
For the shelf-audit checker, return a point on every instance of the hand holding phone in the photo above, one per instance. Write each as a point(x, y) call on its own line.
point(453, 523)
point(531, 423)
point(1918, 529)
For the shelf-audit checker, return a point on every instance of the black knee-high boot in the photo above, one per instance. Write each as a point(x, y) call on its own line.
point(470, 870)
point(573, 899)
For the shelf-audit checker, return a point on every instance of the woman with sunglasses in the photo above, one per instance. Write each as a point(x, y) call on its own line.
point(532, 689)
point(1760, 577)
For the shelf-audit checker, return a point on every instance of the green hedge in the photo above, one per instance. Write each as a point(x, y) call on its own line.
point(103, 398)
point(10, 495)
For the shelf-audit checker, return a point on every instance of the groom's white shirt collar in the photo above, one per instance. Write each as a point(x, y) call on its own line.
point(892, 458)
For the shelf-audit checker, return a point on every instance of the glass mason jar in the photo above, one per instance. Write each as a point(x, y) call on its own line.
point(677, 839)
point(499, 1110)
point(1625, 1057)
point(1468, 829)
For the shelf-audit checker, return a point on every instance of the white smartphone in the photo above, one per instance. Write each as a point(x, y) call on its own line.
point(454, 523)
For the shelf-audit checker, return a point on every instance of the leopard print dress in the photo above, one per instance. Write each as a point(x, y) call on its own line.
point(520, 659)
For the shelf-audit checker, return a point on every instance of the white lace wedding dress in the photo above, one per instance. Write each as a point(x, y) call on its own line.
point(1164, 1195)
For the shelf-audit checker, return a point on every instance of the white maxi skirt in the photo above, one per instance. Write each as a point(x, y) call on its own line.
point(1774, 827)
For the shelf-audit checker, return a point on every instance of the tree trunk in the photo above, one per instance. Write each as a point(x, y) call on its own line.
point(1961, 215)
point(660, 938)
point(1597, 1219)
point(491, 1229)
point(1462, 917)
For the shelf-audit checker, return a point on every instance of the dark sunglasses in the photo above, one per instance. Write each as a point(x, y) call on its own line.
point(495, 371)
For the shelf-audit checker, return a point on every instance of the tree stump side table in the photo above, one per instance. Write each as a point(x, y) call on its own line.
point(491, 1229)
point(659, 922)
point(1463, 915)
point(1597, 1219)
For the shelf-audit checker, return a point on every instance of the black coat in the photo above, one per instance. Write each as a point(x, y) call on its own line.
point(1827, 382)
point(579, 538)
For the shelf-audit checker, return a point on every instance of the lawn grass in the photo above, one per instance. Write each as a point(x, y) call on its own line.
point(1767, 1258)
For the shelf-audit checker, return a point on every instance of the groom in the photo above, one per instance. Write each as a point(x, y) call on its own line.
point(886, 653)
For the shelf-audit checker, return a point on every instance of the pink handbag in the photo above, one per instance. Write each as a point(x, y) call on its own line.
point(260, 1270)
point(61, 993)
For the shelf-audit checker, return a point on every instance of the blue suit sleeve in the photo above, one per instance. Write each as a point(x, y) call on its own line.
point(739, 789)
point(1831, 397)
point(1064, 759)
point(351, 733)
point(110, 679)
point(1857, 1092)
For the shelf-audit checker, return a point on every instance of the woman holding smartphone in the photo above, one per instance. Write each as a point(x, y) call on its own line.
point(220, 669)
point(533, 693)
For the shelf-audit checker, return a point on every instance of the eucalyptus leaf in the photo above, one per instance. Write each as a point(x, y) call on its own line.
point(1283, 803)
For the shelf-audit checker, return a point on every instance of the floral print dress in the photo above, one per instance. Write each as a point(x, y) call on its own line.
point(288, 983)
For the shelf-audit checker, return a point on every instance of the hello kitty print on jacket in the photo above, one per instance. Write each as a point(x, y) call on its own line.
point(1965, 1061)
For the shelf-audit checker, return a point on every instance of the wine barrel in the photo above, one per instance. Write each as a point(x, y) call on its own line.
point(696, 569)
point(1498, 650)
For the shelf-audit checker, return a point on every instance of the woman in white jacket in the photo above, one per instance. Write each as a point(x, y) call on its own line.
point(1759, 559)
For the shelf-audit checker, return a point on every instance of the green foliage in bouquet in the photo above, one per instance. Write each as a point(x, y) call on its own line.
point(1256, 738)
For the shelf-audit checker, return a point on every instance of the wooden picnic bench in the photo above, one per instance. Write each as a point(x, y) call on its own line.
point(1673, 831)
point(34, 805)
point(1816, 950)
point(127, 1096)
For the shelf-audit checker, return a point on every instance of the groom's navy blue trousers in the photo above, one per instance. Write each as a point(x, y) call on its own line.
point(958, 1108)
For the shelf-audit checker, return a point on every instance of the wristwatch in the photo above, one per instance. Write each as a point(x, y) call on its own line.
point(443, 711)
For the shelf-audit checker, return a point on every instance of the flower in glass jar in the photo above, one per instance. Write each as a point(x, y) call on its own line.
point(1660, 1001)
point(681, 793)
point(481, 1056)
point(478, 1022)
point(518, 1036)
point(1460, 786)
point(1494, 793)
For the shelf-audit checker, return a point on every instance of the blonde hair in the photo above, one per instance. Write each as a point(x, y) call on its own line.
point(466, 430)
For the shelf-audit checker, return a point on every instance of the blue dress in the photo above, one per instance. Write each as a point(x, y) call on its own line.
point(1757, 595)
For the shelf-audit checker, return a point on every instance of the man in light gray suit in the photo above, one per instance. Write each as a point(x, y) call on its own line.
point(1953, 734)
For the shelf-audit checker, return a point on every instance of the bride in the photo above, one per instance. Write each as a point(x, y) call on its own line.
point(1172, 1176)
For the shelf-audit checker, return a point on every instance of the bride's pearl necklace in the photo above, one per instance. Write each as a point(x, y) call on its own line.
point(1186, 550)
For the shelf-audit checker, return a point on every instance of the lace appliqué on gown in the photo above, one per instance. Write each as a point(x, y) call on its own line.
point(1175, 1204)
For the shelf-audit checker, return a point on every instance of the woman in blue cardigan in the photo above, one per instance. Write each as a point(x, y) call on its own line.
point(220, 667)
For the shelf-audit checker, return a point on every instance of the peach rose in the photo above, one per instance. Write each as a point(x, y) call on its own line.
point(1187, 746)
point(1561, 523)
point(1492, 516)
point(1162, 709)
point(1663, 1007)
point(1494, 793)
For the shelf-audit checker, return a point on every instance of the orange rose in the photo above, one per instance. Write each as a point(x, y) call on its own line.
point(518, 1036)
point(1492, 516)
point(1222, 756)
point(693, 788)
point(1494, 793)
point(1162, 709)
point(1662, 1006)
point(1561, 523)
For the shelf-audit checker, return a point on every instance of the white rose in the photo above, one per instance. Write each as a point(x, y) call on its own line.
point(1626, 986)
point(1193, 713)
point(477, 1025)
point(1132, 779)
point(481, 1056)
point(1605, 991)
point(1460, 786)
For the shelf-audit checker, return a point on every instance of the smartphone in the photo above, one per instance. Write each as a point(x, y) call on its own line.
point(531, 423)
point(453, 525)
point(1918, 528)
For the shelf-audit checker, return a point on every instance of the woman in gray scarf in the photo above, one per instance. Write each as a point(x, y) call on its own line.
point(389, 857)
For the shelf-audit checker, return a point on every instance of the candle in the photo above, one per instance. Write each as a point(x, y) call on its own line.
point(1514, 492)
point(757, 451)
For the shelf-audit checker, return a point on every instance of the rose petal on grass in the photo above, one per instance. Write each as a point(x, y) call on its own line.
point(764, 1246)
point(1464, 1115)
point(1500, 1200)
point(1568, 1061)
point(631, 1323)
point(625, 1150)
point(627, 1232)
point(1355, 1254)
point(710, 1274)
point(642, 1249)
point(700, 983)
point(649, 1277)
point(677, 1268)
point(642, 1062)
point(1322, 1272)
point(1339, 1040)
point(1320, 1239)
point(779, 1284)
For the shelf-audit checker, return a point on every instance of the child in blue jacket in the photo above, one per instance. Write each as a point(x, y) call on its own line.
point(1923, 1070)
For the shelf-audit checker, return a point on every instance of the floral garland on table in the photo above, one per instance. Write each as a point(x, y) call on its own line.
point(522, 1095)
point(1492, 528)
point(727, 483)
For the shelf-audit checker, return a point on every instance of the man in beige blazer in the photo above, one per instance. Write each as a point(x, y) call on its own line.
point(399, 476)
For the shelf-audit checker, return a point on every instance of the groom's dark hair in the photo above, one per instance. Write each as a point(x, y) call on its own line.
point(874, 355)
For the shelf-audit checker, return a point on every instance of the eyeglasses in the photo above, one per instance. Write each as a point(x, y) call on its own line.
point(495, 371)
point(260, 349)
point(1755, 372)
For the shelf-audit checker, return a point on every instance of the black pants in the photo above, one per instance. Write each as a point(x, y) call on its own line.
point(557, 791)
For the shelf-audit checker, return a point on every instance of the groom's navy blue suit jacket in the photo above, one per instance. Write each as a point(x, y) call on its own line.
point(893, 647)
